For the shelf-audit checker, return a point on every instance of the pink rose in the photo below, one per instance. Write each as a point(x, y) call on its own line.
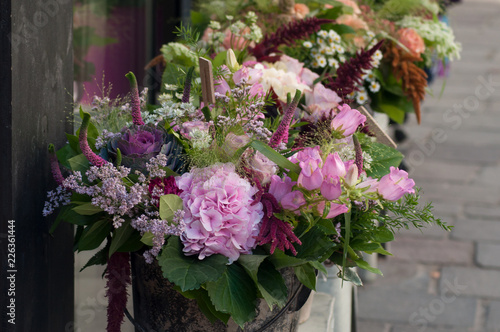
point(395, 185)
point(412, 40)
point(353, 21)
point(234, 142)
point(263, 168)
point(351, 4)
point(300, 10)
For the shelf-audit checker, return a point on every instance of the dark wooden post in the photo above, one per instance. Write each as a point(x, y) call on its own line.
point(36, 83)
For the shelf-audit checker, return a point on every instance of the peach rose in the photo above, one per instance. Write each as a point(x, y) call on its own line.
point(353, 21)
point(351, 4)
point(300, 10)
point(412, 40)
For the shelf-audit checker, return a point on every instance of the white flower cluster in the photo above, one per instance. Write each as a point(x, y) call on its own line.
point(437, 34)
point(369, 80)
point(328, 44)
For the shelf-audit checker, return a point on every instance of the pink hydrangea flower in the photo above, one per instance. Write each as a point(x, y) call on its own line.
point(219, 215)
point(395, 185)
point(347, 120)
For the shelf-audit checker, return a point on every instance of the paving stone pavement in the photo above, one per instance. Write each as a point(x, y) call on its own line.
point(440, 281)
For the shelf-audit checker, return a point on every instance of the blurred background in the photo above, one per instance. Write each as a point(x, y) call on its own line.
point(435, 281)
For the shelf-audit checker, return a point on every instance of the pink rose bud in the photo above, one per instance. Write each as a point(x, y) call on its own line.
point(395, 185)
point(347, 120)
point(234, 142)
point(352, 176)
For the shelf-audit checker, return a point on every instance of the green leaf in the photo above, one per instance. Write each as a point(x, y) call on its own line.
point(206, 113)
point(219, 60)
point(189, 272)
point(314, 244)
point(352, 276)
point(319, 266)
point(342, 29)
point(79, 163)
point(120, 236)
point(269, 281)
point(382, 235)
point(274, 156)
point(306, 274)
point(251, 264)
point(93, 236)
point(234, 293)
point(393, 112)
point(383, 157)
point(169, 204)
point(100, 258)
point(271, 285)
point(65, 153)
point(347, 237)
point(87, 209)
point(326, 226)
point(205, 305)
point(281, 260)
point(147, 239)
point(364, 265)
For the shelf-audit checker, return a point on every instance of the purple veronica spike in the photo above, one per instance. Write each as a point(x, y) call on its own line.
point(359, 154)
point(136, 102)
point(84, 145)
point(282, 131)
point(187, 86)
point(54, 165)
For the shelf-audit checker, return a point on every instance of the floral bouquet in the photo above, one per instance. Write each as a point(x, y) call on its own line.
point(333, 39)
point(226, 195)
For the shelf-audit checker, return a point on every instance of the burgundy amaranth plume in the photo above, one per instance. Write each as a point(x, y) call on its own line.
point(54, 166)
point(282, 132)
point(118, 278)
point(187, 86)
point(136, 101)
point(93, 158)
point(349, 73)
point(286, 35)
point(273, 230)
